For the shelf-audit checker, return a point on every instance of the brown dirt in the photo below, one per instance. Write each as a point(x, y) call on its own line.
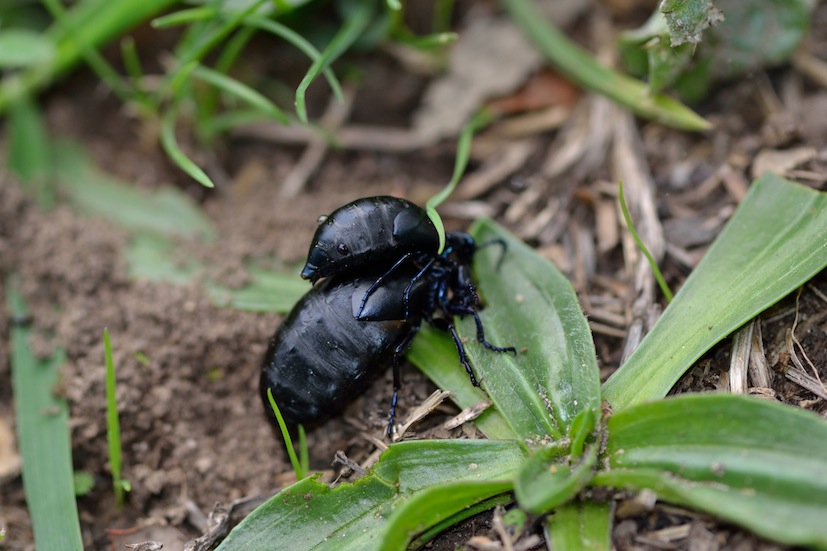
point(193, 427)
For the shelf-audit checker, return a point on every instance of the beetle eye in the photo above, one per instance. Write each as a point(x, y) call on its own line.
point(342, 248)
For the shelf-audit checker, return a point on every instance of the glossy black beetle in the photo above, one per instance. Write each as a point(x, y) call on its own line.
point(321, 357)
point(372, 230)
point(385, 277)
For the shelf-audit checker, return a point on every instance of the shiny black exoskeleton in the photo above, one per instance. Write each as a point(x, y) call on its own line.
point(374, 230)
point(384, 278)
point(322, 357)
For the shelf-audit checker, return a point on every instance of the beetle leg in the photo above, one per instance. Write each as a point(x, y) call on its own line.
point(464, 310)
point(445, 325)
point(379, 281)
point(496, 241)
point(398, 352)
point(417, 277)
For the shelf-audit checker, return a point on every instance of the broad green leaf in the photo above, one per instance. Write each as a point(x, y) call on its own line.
point(434, 353)
point(22, 47)
point(551, 477)
point(424, 539)
point(580, 526)
point(43, 433)
point(775, 241)
point(433, 505)
point(530, 305)
point(583, 68)
point(268, 291)
point(166, 210)
point(757, 463)
point(310, 515)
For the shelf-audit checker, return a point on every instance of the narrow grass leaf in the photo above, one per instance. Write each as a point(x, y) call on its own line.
point(775, 241)
point(581, 67)
point(433, 505)
point(581, 526)
point(356, 22)
point(757, 463)
point(425, 537)
point(353, 516)
point(299, 42)
point(170, 144)
point(43, 433)
point(241, 91)
point(113, 424)
point(530, 305)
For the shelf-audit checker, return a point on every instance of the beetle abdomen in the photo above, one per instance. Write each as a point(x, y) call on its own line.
point(321, 356)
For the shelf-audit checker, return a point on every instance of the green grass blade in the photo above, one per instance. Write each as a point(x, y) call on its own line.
point(775, 241)
point(297, 464)
point(299, 42)
point(113, 424)
point(530, 305)
point(757, 463)
point(461, 161)
point(241, 91)
point(356, 22)
point(664, 288)
point(170, 144)
point(581, 526)
point(100, 21)
point(43, 432)
point(581, 67)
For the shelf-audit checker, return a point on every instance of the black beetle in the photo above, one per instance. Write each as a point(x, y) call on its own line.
point(384, 277)
point(372, 230)
point(321, 357)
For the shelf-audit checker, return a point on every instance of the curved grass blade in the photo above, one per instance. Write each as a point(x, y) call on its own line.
point(583, 68)
point(43, 432)
point(530, 305)
point(356, 22)
point(775, 241)
point(311, 515)
point(757, 463)
point(170, 144)
point(241, 91)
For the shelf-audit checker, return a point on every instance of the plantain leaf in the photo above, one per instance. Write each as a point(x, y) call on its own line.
point(268, 291)
point(581, 526)
point(530, 305)
point(757, 463)
point(311, 515)
point(549, 478)
point(433, 505)
point(775, 241)
point(434, 353)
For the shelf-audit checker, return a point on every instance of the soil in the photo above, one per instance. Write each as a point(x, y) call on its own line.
point(193, 429)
